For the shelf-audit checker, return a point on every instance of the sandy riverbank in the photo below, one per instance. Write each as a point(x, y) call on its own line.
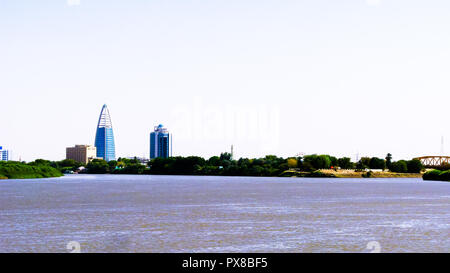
point(354, 174)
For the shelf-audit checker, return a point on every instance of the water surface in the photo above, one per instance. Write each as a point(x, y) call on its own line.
point(112, 213)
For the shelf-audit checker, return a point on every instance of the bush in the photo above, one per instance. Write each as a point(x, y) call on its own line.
point(444, 176)
point(19, 170)
point(437, 175)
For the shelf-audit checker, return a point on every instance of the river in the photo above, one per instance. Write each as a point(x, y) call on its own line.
point(126, 213)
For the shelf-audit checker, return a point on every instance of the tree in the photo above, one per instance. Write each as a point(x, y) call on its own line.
point(399, 167)
point(132, 168)
point(360, 166)
point(38, 162)
point(98, 166)
point(366, 162)
point(414, 166)
point(292, 163)
point(334, 161)
point(112, 164)
point(214, 161)
point(225, 156)
point(316, 162)
point(345, 163)
point(388, 160)
point(377, 163)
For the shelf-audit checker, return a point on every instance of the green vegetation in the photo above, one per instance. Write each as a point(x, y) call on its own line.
point(368, 174)
point(401, 166)
point(121, 166)
point(66, 165)
point(20, 170)
point(437, 175)
point(224, 165)
point(345, 163)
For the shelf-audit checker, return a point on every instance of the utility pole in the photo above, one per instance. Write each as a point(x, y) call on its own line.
point(442, 146)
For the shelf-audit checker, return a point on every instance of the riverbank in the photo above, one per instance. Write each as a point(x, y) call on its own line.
point(351, 174)
point(19, 170)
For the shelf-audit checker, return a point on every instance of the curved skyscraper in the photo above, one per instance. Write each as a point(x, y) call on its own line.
point(104, 138)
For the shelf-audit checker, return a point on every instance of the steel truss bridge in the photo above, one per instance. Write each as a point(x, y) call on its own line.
point(434, 161)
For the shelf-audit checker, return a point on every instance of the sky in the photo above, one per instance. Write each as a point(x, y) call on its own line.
point(346, 78)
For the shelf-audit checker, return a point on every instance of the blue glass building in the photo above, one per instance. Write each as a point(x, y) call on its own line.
point(4, 154)
point(104, 138)
point(160, 143)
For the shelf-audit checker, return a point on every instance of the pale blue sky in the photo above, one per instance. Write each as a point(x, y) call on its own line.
point(271, 77)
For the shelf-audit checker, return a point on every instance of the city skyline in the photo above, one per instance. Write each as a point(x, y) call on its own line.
point(326, 77)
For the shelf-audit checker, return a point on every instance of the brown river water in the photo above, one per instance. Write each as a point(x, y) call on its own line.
point(112, 213)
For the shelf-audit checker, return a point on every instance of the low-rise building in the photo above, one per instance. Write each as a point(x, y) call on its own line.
point(81, 153)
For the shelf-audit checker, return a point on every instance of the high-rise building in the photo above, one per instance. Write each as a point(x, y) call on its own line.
point(160, 143)
point(104, 138)
point(4, 154)
point(81, 153)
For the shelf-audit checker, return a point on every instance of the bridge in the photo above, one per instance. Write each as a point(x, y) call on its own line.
point(434, 161)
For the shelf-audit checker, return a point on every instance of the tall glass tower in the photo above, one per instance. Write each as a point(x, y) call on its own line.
point(104, 138)
point(160, 143)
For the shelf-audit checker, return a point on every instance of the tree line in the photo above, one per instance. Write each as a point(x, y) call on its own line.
point(270, 165)
point(224, 164)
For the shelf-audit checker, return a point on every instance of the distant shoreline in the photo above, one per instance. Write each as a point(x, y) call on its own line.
point(287, 175)
point(359, 174)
